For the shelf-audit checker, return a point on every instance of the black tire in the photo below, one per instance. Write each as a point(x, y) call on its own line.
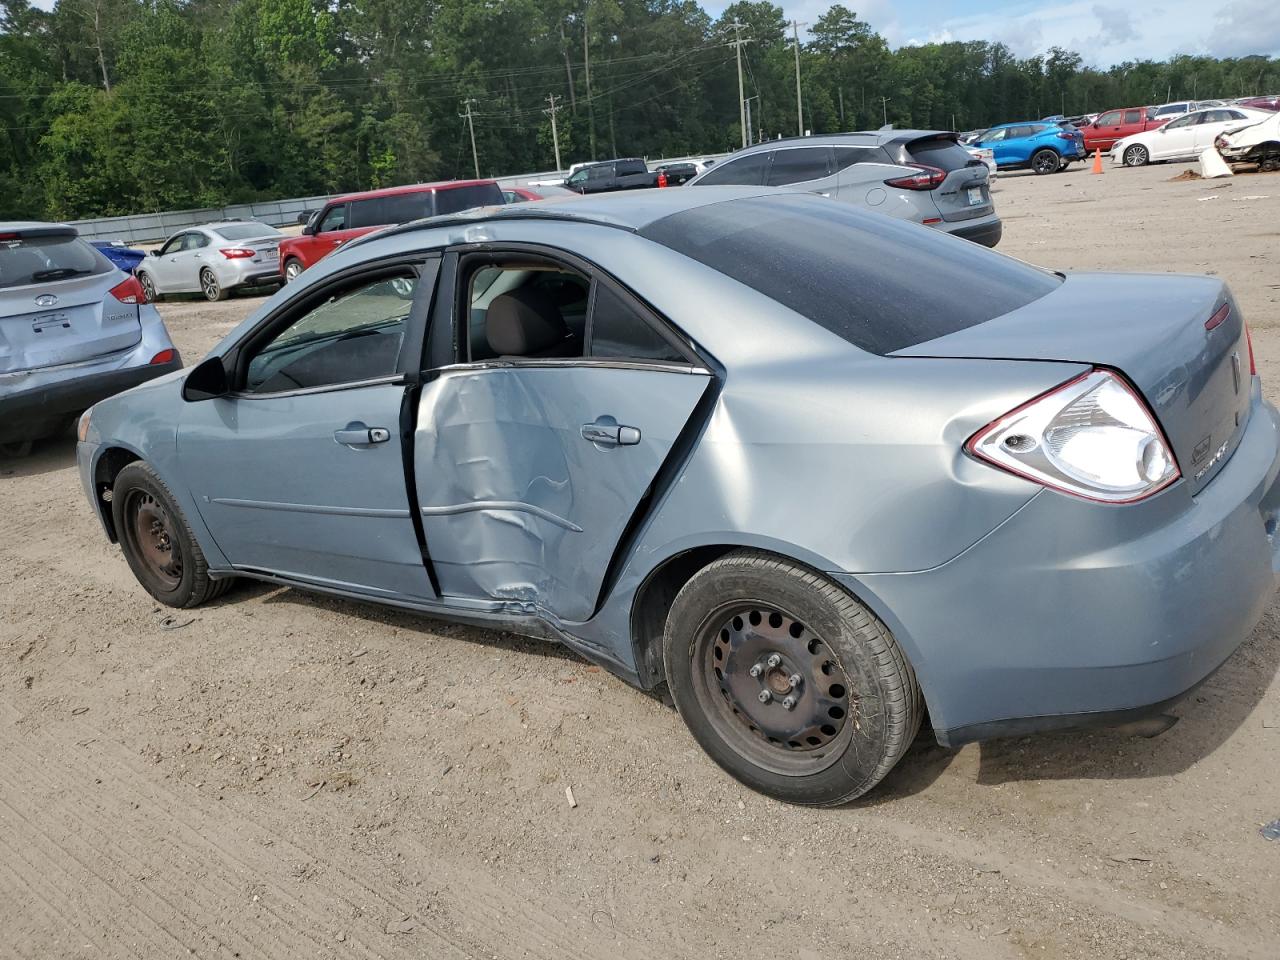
point(1045, 161)
point(148, 286)
point(748, 604)
point(1136, 155)
point(210, 287)
point(153, 534)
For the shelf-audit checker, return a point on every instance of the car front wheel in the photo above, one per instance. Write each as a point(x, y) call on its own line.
point(789, 683)
point(148, 286)
point(1044, 161)
point(156, 541)
point(1136, 156)
point(291, 271)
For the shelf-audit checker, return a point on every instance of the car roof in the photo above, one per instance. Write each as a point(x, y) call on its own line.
point(16, 226)
point(863, 138)
point(412, 188)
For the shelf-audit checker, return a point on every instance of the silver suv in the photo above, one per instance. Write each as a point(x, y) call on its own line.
point(74, 329)
point(919, 175)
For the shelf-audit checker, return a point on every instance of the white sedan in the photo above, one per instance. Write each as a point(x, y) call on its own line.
point(1184, 138)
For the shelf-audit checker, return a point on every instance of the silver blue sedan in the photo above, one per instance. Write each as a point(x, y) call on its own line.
point(819, 472)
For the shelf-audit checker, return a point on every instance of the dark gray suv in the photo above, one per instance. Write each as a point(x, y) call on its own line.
point(919, 175)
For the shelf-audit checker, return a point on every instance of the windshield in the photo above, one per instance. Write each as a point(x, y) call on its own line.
point(243, 231)
point(28, 260)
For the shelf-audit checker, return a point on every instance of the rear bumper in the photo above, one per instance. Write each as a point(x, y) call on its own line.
point(1072, 614)
point(245, 273)
point(42, 411)
point(986, 232)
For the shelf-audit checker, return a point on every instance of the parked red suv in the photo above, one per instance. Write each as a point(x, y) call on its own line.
point(356, 214)
point(1114, 125)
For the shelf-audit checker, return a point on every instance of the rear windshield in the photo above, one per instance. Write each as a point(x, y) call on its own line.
point(941, 152)
point(28, 260)
point(454, 199)
point(243, 231)
point(879, 283)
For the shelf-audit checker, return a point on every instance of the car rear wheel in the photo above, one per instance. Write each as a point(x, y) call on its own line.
point(1136, 156)
point(157, 542)
point(210, 287)
point(787, 682)
point(1045, 161)
point(148, 287)
point(292, 269)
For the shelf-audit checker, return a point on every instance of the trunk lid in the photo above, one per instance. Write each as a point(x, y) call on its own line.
point(68, 321)
point(1152, 329)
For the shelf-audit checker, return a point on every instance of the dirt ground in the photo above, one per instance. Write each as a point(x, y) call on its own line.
point(283, 775)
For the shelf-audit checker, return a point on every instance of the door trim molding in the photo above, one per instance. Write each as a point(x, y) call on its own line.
point(518, 506)
point(375, 512)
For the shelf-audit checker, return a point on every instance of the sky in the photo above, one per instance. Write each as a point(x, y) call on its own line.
point(1103, 32)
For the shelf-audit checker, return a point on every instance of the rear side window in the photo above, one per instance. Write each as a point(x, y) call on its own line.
point(748, 171)
point(28, 260)
point(628, 167)
point(455, 199)
point(1133, 116)
point(941, 152)
point(799, 165)
point(617, 330)
point(880, 284)
point(846, 157)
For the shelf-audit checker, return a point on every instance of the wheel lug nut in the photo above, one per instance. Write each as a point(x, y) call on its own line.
point(765, 696)
point(774, 659)
point(756, 669)
point(794, 680)
point(789, 703)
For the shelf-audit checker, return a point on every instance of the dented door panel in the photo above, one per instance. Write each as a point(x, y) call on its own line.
point(523, 492)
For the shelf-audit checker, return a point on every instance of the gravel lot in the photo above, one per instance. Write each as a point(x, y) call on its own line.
point(285, 775)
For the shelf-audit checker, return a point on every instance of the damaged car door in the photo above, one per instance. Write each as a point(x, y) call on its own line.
point(536, 447)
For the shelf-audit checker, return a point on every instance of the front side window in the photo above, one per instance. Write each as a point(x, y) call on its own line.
point(354, 335)
point(173, 245)
point(334, 219)
point(799, 165)
point(1109, 119)
point(747, 171)
point(1187, 121)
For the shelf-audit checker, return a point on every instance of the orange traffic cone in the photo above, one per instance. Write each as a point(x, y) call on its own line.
point(662, 178)
point(1097, 159)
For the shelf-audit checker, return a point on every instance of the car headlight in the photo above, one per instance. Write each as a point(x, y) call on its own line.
point(1092, 437)
point(82, 428)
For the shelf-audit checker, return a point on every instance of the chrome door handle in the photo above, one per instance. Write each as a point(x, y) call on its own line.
point(359, 435)
point(610, 434)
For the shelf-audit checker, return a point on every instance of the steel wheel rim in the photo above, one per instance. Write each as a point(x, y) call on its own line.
point(154, 538)
point(210, 285)
point(750, 648)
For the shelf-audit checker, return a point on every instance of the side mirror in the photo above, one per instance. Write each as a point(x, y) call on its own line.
point(309, 229)
point(206, 381)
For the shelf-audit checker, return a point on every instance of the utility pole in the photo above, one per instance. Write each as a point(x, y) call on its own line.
point(884, 105)
point(742, 107)
point(749, 127)
point(551, 111)
point(475, 160)
point(586, 66)
point(795, 33)
point(841, 93)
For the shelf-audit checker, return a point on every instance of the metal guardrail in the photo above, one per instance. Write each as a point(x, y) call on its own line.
point(152, 227)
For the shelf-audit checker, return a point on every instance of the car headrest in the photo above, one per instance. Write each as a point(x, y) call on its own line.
point(523, 323)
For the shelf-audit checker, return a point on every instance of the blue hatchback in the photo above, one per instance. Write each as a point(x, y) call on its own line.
point(1040, 146)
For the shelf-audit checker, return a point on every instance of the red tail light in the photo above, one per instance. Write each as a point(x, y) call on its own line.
point(1248, 338)
point(164, 356)
point(236, 253)
point(130, 291)
point(926, 179)
point(1066, 136)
